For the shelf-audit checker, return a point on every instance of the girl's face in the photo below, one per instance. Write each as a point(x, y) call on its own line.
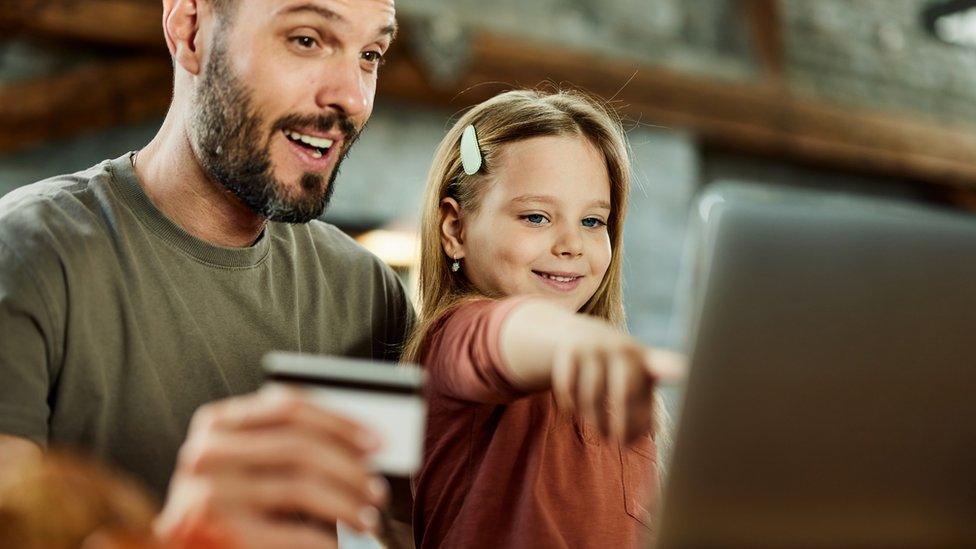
point(541, 227)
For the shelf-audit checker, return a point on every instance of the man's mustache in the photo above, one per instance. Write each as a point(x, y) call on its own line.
point(320, 123)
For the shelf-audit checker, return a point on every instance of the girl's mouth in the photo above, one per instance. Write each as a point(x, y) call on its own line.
point(563, 282)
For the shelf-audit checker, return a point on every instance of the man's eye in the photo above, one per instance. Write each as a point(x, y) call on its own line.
point(535, 219)
point(593, 222)
point(374, 57)
point(305, 42)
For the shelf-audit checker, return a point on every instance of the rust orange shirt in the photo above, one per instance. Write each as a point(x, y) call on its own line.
point(505, 469)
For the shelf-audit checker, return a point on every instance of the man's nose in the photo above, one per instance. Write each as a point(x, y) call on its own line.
point(344, 90)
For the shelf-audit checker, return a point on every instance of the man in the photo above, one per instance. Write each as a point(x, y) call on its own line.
point(136, 291)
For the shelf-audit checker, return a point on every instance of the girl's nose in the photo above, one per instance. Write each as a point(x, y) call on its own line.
point(569, 243)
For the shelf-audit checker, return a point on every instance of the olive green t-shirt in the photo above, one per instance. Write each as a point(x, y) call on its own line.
point(116, 324)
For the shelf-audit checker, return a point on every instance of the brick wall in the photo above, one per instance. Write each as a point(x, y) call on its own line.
point(875, 53)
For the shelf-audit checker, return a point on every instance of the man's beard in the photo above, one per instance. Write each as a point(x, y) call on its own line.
point(226, 131)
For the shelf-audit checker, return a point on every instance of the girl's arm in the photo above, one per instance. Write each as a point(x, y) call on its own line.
point(593, 369)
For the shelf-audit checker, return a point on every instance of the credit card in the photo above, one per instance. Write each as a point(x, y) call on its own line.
point(385, 397)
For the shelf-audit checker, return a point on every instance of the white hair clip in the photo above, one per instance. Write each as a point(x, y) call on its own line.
point(470, 151)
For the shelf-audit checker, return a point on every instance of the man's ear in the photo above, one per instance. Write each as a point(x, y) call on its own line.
point(181, 26)
point(452, 232)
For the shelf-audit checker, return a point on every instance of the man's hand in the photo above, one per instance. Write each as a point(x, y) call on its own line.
point(16, 450)
point(270, 469)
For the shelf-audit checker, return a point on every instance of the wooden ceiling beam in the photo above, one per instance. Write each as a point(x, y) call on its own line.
point(743, 117)
point(764, 22)
point(84, 99)
point(751, 118)
point(121, 23)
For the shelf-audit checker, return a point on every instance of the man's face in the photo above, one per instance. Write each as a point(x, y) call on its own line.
point(287, 88)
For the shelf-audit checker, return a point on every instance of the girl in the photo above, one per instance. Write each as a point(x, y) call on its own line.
point(521, 231)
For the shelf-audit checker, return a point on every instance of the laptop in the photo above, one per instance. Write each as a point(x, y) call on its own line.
point(831, 400)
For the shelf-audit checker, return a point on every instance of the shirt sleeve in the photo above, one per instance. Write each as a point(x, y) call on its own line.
point(398, 320)
point(464, 359)
point(25, 350)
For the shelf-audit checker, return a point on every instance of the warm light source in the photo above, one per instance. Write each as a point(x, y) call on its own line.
point(400, 249)
point(396, 248)
point(952, 21)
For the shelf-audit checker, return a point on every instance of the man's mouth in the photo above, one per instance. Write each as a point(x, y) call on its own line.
point(316, 146)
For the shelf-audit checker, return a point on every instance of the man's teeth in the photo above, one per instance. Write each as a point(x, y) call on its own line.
point(317, 142)
point(560, 278)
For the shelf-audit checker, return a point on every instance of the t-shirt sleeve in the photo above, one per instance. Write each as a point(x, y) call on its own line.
point(399, 317)
point(463, 357)
point(25, 350)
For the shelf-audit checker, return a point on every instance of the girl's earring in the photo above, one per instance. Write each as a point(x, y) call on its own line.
point(456, 266)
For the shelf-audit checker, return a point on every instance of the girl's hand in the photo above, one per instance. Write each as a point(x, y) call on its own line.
point(608, 379)
point(594, 370)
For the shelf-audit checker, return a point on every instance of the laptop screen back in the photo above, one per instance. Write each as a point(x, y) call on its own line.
point(832, 394)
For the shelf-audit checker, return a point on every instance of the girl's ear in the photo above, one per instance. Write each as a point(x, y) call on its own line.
point(452, 233)
point(181, 27)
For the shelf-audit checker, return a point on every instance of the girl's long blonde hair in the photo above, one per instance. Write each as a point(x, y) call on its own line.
point(508, 118)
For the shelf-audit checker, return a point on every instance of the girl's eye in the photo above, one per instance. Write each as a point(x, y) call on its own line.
point(305, 42)
point(593, 222)
point(535, 219)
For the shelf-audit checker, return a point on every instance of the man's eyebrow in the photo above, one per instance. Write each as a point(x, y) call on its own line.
point(316, 9)
point(390, 30)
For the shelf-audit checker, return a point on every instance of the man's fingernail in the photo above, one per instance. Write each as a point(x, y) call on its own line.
point(369, 517)
point(378, 489)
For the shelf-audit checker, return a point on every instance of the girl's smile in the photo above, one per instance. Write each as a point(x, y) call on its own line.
point(541, 226)
point(562, 282)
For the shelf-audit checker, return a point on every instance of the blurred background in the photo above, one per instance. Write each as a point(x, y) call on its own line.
point(853, 96)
